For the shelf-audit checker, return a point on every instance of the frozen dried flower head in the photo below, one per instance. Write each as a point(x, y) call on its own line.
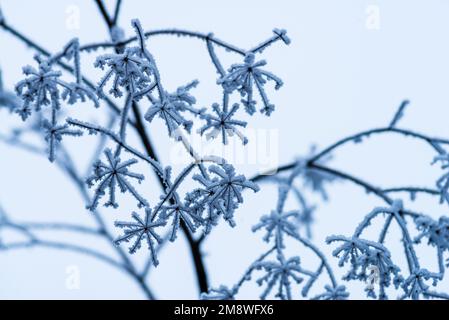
point(281, 273)
point(414, 286)
point(42, 88)
point(110, 175)
point(436, 232)
point(247, 76)
point(39, 89)
point(141, 230)
point(225, 190)
point(223, 123)
point(171, 108)
point(361, 255)
point(54, 134)
point(315, 180)
point(128, 70)
point(278, 224)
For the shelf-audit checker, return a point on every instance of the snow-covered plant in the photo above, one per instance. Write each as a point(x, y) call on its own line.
point(132, 92)
point(131, 76)
point(369, 261)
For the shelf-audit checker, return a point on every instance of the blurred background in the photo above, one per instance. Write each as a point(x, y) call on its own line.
point(349, 66)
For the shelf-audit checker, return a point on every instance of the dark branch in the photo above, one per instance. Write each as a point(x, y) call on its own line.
point(104, 13)
point(194, 245)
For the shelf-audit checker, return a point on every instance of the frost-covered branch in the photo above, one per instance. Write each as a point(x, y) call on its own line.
point(132, 70)
point(363, 255)
point(209, 189)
